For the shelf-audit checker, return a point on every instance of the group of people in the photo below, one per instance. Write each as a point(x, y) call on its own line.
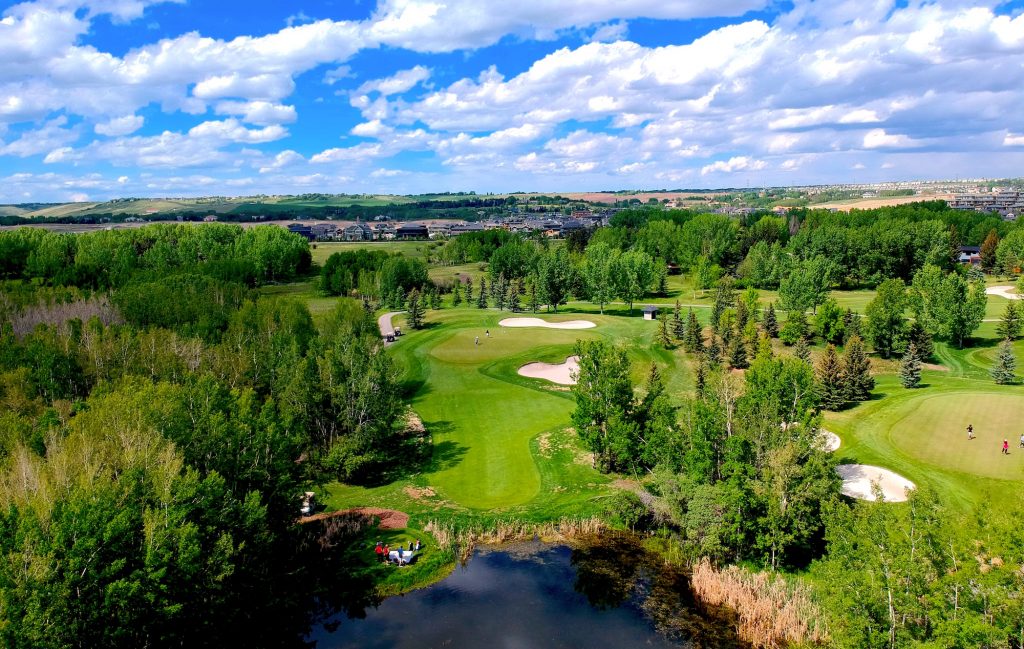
point(399, 555)
point(487, 333)
point(1006, 442)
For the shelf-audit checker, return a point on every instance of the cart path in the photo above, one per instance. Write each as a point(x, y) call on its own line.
point(384, 322)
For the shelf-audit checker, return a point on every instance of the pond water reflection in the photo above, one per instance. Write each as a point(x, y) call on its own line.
point(605, 594)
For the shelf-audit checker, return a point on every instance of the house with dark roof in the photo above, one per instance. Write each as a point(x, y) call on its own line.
point(357, 232)
point(303, 230)
point(411, 231)
point(650, 312)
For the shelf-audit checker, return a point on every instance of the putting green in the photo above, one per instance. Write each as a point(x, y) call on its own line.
point(932, 428)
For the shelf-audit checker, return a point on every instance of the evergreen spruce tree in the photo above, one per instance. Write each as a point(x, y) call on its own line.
point(457, 293)
point(700, 378)
point(738, 353)
point(714, 352)
point(771, 323)
point(678, 325)
point(1010, 326)
point(694, 341)
point(514, 304)
point(1005, 370)
point(662, 280)
point(921, 339)
point(802, 350)
point(851, 325)
point(367, 307)
point(830, 380)
point(481, 296)
point(857, 371)
point(910, 368)
point(435, 298)
point(499, 291)
point(469, 290)
point(533, 299)
point(742, 315)
point(663, 332)
point(415, 311)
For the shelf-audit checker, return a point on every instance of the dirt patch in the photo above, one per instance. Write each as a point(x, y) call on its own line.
point(419, 493)
point(390, 519)
point(935, 367)
point(545, 446)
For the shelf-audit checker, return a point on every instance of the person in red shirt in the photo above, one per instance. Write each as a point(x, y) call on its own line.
point(1006, 447)
point(380, 551)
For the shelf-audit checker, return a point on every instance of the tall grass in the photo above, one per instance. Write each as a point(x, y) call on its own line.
point(461, 540)
point(771, 612)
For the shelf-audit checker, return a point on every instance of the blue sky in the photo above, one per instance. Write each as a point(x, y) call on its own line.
point(109, 98)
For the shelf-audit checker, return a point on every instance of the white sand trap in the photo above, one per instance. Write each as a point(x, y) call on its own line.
point(560, 373)
point(829, 440)
point(858, 480)
point(1009, 292)
point(537, 322)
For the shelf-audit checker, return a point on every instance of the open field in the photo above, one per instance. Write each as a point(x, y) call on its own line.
point(872, 203)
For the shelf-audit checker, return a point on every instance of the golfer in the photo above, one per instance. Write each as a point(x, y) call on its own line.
point(476, 341)
point(1006, 447)
point(970, 431)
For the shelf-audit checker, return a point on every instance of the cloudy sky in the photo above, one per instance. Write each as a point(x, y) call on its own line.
point(106, 98)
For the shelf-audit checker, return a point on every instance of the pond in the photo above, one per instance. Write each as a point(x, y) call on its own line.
point(608, 593)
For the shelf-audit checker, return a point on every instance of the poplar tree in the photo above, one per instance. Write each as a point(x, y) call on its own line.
point(1010, 326)
point(771, 322)
point(910, 367)
point(1004, 372)
point(831, 384)
point(857, 371)
point(481, 298)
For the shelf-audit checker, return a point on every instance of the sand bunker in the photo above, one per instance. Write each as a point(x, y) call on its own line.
point(560, 373)
point(537, 322)
point(1004, 291)
point(858, 479)
point(829, 440)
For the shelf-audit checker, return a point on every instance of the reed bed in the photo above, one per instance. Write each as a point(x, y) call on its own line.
point(462, 540)
point(770, 611)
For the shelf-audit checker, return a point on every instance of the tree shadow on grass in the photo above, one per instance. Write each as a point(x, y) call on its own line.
point(447, 455)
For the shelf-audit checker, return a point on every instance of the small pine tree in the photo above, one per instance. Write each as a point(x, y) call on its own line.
point(831, 384)
point(921, 339)
point(771, 322)
point(678, 325)
point(533, 298)
point(738, 353)
point(435, 298)
point(457, 293)
point(694, 341)
point(469, 290)
point(662, 280)
point(1010, 326)
point(481, 296)
point(415, 310)
point(857, 371)
point(910, 368)
point(851, 325)
point(1005, 370)
point(499, 291)
point(742, 315)
point(802, 350)
point(714, 352)
point(663, 332)
point(700, 378)
point(514, 304)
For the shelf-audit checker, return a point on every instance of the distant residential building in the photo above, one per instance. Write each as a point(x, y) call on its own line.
point(439, 230)
point(210, 218)
point(1008, 203)
point(411, 231)
point(970, 255)
point(463, 228)
point(357, 232)
point(303, 230)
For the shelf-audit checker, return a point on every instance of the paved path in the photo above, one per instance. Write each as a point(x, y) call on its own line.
point(386, 328)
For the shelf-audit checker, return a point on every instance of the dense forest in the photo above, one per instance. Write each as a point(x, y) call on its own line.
point(160, 420)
